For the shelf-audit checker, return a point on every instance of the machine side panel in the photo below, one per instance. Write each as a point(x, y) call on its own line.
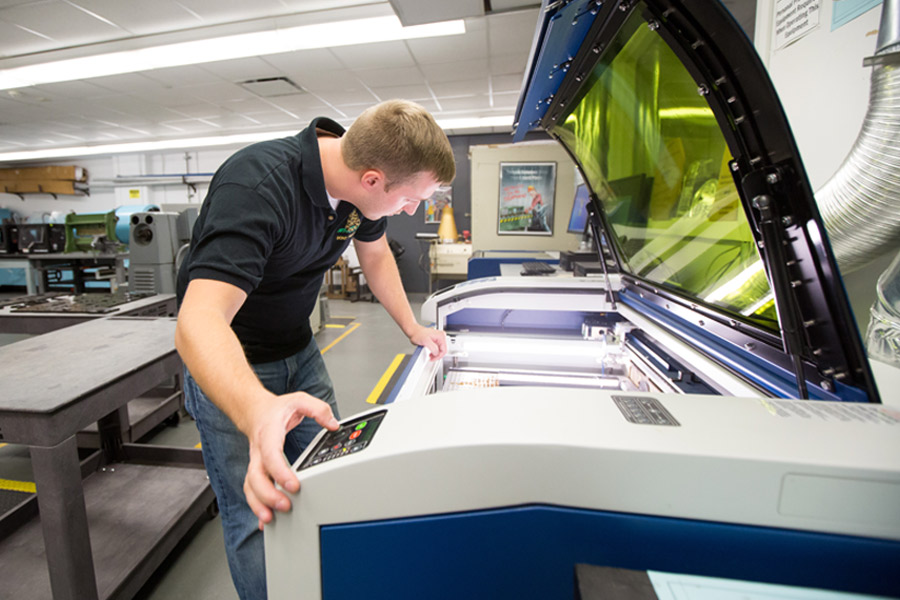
point(493, 554)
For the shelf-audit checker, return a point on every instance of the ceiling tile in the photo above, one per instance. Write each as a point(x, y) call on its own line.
point(237, 121)
point(465, 103)
point(468, 87)
point(182, 76)
point(506, 100)
point(170, 97)
point(276, 118)
point(62, 22)
point(499, 5)
point(323, 82)
point(506, 83)
point(18, 41)
point(224, 11)
point(196, 109)
point(355, 97)
point(242, 69)
point(473, 44)
point(508, 64)
point(373, 56)
point(294, 63)
point(217, 93)
point(143, 18)
point(72, 89)
point(406, 92)
point(127, 83)
point(454, 71)
point(340, 82)
point(247, 105)
point(390, 76)
point(313, 5)
point(132, 105)
point(297, 103)
point(418, 12)
point(193, 126)
point(21, 112)
point(505, 32)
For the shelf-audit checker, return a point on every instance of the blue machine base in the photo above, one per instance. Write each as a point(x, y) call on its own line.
point(531, 552)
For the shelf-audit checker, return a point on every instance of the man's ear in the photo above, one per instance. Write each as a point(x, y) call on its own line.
point(372, 179)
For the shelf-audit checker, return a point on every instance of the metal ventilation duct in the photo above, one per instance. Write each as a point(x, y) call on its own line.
point(860, 204)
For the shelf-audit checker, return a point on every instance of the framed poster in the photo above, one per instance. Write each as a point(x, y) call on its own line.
point(434, 205)
point(526, 198)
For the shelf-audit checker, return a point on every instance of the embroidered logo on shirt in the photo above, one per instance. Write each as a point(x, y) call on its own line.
point(350, 227)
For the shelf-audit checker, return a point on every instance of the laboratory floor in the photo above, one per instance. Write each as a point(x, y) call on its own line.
point(359, 344)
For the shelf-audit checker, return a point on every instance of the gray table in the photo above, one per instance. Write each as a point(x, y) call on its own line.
point(34, 323)
point(55, 385)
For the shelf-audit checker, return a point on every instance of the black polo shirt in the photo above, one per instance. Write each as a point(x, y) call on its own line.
point(266, 227)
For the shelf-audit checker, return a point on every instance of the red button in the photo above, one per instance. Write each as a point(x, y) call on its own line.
point(355, 434)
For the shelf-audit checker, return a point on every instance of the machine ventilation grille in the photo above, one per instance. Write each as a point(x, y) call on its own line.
point(143, 281)
point(272, 87)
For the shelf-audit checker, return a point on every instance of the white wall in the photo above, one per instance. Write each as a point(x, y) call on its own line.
point(485, 163)
point(822, 83)
point(105, 196)
point(824, 89)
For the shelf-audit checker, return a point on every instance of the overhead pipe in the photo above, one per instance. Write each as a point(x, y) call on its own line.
point(860, 204)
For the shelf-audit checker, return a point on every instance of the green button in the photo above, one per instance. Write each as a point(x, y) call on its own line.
point(362, 425)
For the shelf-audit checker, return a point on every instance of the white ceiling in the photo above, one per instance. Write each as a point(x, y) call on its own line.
point(478, 74)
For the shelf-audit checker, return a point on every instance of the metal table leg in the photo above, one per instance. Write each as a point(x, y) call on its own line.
point(57, 474)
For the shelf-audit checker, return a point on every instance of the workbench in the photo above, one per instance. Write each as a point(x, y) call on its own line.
point(107, 520)
point(13, 320)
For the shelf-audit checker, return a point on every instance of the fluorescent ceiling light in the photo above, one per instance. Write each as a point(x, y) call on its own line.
point(304, 37)
point(206, 142)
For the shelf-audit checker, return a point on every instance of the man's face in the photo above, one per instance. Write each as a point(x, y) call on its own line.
point(406, 196)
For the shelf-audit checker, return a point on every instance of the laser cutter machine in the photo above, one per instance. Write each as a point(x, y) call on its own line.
point(703, 406)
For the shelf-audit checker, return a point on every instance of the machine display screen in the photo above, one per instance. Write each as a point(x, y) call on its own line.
point(352, 437)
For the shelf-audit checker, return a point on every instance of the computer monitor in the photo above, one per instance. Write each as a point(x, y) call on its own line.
point(578, 218)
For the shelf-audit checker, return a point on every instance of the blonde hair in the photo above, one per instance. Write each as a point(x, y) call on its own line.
point(400, 139)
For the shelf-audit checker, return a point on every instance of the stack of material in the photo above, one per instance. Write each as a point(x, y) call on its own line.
point(44, 180)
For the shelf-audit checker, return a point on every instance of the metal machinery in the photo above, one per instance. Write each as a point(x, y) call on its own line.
point(155, 246)
point(701, 406)
point(41, 238)
point(92, 232)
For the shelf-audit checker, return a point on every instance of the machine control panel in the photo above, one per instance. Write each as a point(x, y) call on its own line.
point(352, 437)
point(644, 411)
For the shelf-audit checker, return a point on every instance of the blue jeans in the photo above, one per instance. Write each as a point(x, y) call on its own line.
point(226, 455)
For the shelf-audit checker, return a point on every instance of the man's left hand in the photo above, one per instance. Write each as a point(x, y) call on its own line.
point(433, 339)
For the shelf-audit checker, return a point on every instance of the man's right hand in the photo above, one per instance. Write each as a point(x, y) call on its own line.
point(266, 432)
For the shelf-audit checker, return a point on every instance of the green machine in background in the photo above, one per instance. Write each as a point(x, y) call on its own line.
point(92, 232)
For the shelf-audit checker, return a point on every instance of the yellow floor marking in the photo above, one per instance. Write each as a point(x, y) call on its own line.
point(343, 335)
point(330, 326)
point(1, 445)
point(18, 486)
point(198, 445)
point(382, 383)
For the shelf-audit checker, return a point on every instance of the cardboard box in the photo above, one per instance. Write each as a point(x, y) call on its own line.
point(65, 173)
point(47, 186)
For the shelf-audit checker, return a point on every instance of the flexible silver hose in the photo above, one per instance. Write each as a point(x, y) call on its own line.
point(860, 204)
